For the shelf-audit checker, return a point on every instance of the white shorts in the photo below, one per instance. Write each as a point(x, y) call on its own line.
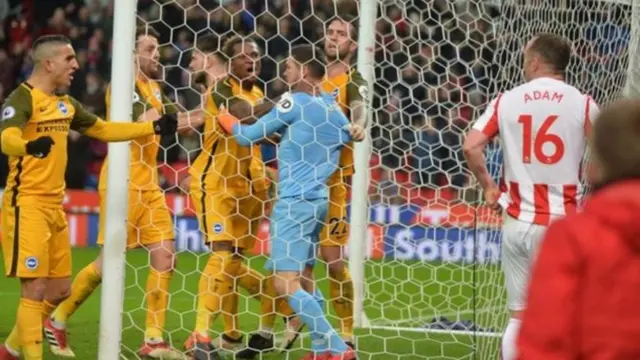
point(520, 243)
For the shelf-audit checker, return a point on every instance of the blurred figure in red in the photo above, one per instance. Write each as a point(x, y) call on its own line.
point(584, 294)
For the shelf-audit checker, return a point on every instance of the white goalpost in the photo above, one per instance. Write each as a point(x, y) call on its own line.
point(424, 254)
point(122, 84)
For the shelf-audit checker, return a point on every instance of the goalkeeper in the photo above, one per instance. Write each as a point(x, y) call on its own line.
point(314, 132)
point(149, 221)
point(36, 120)
point(228, 188)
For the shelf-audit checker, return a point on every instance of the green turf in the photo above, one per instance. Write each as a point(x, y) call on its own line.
point(402, 294)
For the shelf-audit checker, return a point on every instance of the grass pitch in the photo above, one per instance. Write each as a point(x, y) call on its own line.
point(402, 298)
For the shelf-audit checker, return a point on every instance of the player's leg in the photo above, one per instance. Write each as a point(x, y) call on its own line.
point(217, 279)
point(59, 285)
point(294, 249)
point(519, 245)
point(26, 249)
point(231, 338)
point(155, 232)
point(334, 237)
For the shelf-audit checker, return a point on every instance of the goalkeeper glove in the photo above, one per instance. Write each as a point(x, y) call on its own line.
point(166, 125)
point(40, 147)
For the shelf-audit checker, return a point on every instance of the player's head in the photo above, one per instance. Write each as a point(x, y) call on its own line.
point(54, 56)
point(341, 38)
point(243, 58)
point(147, 52)
point(546, 54)
point(616, 143)
point(205, 55)
point(305, 63)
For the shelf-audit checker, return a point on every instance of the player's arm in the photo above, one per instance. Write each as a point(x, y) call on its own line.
point(187, 120)
point(16, 112)
point(91, 125)
point(591, 111)
point(483, 131)
point(357, 95)
point(269, 124)
point(547, 328)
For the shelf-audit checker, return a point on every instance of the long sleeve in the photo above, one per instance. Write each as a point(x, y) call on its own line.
point(113, 131)
point(12, 142)
point(548, 328)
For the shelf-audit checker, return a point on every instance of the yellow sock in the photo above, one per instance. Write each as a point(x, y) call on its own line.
point(47, 309)
point(268, 301)
point(29, 324)
point(157, 301)
point(85, 283)
point(341, 292)
point(213, 286)
point(230, 315)
point(283, 307)
point(13, 341)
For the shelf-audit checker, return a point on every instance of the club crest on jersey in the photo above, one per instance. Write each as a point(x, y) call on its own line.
point(217, 228)
point(63, 108)
point(335, 93)
point(136, 97)
point(31, 263)
point(8, 113)
point(364, 92)
point(157, 94)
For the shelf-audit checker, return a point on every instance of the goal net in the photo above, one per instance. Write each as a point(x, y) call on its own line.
point(433, 286)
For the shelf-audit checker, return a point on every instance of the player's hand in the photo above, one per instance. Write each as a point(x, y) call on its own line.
point(166, 125)
point(40, 147)
point(185, 184)
point(149, 115)
point(356, 131)
point(491, 197)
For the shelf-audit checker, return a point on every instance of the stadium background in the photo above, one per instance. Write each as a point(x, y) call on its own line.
point(437, 63)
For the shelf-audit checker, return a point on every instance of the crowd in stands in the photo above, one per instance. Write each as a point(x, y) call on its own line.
point(436, 66)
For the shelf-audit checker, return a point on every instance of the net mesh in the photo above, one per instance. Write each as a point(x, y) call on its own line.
point(433, 284)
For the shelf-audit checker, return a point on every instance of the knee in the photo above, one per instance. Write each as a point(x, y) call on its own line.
point(58, 294)
point(34, 289)
point(163, 259)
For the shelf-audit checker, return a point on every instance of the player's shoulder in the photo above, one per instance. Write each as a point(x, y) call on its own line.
point(20, 95)
point(223, 86)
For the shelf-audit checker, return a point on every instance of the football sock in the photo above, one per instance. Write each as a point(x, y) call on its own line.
point(157, 301)
point(341, 292)
point(13, 342)
point(509, 338)
point(216, 282)
point(310, 312)
point(268, 300)
point(47, 309)
point(230, 315)
point(85, 283)
point(318, 341)
point(29, 324)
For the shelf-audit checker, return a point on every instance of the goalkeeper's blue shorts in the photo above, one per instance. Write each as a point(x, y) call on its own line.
point(295, 230)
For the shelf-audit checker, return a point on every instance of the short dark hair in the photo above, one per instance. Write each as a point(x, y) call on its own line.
point(50, 39)
point(228, 49)
point(554, 49)
point(144, 30)
point(349, 19)
point(616, 140)
point(208, 44)
point(311, 56)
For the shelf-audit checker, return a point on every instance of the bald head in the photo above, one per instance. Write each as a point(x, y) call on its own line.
point(46, 47)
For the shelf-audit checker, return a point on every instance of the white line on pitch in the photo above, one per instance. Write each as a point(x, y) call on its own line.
point(457, 314)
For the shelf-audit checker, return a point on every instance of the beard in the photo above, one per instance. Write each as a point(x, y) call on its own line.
point(338, 55)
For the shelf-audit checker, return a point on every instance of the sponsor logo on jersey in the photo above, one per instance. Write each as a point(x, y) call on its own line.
point(31, 263)
point(63, 108)
point(217, 228)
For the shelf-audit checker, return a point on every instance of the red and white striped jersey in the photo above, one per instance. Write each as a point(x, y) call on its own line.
point(542, 127)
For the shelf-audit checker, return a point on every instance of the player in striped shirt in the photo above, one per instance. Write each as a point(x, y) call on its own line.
point(542, 126)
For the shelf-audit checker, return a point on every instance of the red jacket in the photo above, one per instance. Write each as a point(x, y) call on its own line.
point(584, 294)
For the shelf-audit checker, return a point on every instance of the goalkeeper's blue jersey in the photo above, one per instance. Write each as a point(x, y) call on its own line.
point(314, 130)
